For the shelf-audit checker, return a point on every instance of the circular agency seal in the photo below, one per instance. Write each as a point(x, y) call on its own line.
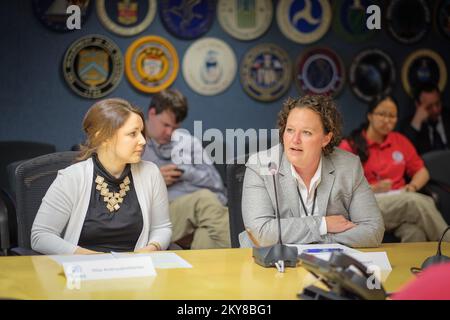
point(53, 14)
point(349, 20)
point(304, 21)
point(93, 66)
point(126, 18)
point(442, 14)
point(422, 66)
point(245, 20)
point(209, 66)
point(408, 20)
point(187, 19)
point(372, 72)
point(266, 72)
point(319, 71)
point(151, 64)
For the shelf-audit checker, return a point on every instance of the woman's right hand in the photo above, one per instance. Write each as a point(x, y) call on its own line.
point(338, 224)
point(81, 250)
point(384, 185)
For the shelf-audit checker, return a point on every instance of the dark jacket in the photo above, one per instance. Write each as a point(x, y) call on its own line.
point(421, 139)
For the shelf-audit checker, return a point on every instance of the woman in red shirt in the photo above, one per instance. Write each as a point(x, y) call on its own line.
point(387, 157)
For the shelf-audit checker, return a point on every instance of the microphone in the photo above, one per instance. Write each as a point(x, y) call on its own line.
point(278, 255)
point(273, 171)
point(439, 257)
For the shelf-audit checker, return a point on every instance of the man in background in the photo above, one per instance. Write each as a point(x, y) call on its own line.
point(429, 128)
point(197, 196)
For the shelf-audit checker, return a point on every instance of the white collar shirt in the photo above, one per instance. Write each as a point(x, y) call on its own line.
point(308, 195)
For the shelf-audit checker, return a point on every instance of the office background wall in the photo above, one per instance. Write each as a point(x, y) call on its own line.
point(36, 104)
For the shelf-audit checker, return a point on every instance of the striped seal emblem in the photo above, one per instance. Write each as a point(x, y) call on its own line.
point(93, 66)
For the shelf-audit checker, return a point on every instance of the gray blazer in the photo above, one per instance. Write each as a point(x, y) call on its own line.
point(343, 190)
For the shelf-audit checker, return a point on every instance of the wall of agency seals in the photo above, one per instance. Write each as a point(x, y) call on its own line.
point(36, 102)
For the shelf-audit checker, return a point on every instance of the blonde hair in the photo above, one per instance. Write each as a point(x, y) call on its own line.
point(102, 121)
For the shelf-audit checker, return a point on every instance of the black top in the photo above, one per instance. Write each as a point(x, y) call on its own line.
point(106, 231)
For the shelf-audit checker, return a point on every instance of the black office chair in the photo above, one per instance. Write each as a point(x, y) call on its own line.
point(11, 151)
point(235, 172)
point(219, 164)
point(33, 178)
point(437, 163)
point(8, 223)
point(235, 180)
point(19, 150)
point(4, 230)
point(438, 187)
point(231, 152)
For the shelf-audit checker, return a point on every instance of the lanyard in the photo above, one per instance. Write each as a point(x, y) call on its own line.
point(303, 204)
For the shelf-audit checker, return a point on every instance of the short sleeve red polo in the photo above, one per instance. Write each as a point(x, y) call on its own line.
point(391, 159)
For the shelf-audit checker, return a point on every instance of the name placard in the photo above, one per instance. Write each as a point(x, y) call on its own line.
point(130, 267)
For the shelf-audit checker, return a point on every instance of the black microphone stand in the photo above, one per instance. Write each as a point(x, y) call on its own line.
point(278, 255)
point(439, 257)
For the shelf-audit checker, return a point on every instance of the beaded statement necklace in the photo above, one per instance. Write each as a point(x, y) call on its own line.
point(113, 200)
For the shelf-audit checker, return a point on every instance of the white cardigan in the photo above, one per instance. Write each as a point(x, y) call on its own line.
point(58, 223)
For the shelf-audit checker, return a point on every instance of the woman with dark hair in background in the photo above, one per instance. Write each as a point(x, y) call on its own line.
point(387, 156)
point(110, 200)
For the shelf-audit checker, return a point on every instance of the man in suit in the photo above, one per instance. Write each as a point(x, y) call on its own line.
point(322, 193)
point(429, 128)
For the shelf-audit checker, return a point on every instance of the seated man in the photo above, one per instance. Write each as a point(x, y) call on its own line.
point(197, 196)
point(429, 128)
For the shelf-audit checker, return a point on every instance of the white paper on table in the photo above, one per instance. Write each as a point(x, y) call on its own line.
point(161, 260)
point(302, 247)
point(106, 269)
point(374, 261)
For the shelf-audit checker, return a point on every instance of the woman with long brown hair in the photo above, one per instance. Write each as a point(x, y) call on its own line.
point(110, 200)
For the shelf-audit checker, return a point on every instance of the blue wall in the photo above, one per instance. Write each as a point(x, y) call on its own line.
point(36, 104)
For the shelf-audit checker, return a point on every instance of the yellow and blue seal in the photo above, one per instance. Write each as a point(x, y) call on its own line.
point(151, 64)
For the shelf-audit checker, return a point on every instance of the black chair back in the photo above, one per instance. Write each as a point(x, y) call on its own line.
point(231, 152)
point(235, 179)
point(33, 178)
point(437, 163)
point(11, 151)
point(8, 222)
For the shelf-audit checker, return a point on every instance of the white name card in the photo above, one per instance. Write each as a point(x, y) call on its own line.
point(130, 267)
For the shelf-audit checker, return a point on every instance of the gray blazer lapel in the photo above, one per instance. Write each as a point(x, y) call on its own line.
point(326, 183)
point(288, 186)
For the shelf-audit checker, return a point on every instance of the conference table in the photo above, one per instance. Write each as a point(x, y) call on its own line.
point(215, 274)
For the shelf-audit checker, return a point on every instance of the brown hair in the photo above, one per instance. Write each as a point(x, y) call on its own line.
point(325, 107)
point(171, 100)
point(102, 121)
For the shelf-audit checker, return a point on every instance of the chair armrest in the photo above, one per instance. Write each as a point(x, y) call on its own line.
point(18, 251)
point(4, 227)
point(428, 190)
